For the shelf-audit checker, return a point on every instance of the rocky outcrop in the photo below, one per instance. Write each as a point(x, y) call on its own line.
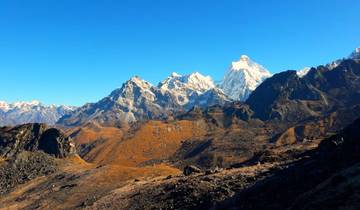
point(188, 170)
point(30, 151)
point(289, 98)
point(32, 138)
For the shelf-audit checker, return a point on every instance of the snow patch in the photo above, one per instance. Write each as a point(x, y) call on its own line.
point(302, 72)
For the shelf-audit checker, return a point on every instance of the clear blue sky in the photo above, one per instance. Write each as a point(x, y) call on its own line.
point(77, 51)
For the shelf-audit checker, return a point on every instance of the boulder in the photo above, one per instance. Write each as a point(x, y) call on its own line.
point(191, 169)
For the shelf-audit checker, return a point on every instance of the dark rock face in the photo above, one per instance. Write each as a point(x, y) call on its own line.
point(30, 151)
point(287, 97)
point(342, 149)
point(55, 143)
point(34, 137)
point(20, 138)
point(188, 170)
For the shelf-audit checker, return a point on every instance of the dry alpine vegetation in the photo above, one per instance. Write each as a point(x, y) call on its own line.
point(294, 144)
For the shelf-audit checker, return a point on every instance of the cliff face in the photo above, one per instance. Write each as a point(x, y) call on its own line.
point(30, 151)
point(32, 138)
point(290, 98)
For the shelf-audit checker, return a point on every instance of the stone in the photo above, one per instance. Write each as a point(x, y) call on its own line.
point(191, 169)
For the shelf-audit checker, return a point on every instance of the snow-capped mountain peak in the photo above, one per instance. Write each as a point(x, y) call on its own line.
point(199, 82)
point(355, 54)
point(187, 90)
point(138, 82)
point(24, 104)
point(194, 82)
point(31, 112)
point(132, 89)
point(243, 77)
point(138, 100)
point(302, 72)
point(174, 74)
point(4, 106)
point(242, 63)
point(244, 58)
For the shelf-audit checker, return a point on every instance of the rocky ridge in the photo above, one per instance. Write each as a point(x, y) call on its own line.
point(138, 100)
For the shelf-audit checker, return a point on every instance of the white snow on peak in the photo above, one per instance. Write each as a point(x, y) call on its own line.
point(31, 112)
point(244, 58)
point(198, 82)
point(4, 106)
point(25, 105)
point(183, 87)
point(133, 93)
point(355, 54)
point(242, 78)
point(174, 74)
point(22, 104)
point(138, 82)
point(333, 64)
point(302, 72)
point(195, 82)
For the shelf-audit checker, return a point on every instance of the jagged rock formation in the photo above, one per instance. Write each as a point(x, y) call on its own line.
point(355, 55)
point(302, 72)
point(29, 151)
point(135, 100)
point(193, 90)
point(32, 138)
point(138, 100)
point(287, 97)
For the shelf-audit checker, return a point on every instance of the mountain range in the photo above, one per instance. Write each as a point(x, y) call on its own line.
point(28, 112)
point(167, 147)
point(138, 100)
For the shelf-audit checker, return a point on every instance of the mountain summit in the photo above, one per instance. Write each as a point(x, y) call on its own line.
point(242, 78)
point(188, 89)
point(138, 100)
point(355, 54)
